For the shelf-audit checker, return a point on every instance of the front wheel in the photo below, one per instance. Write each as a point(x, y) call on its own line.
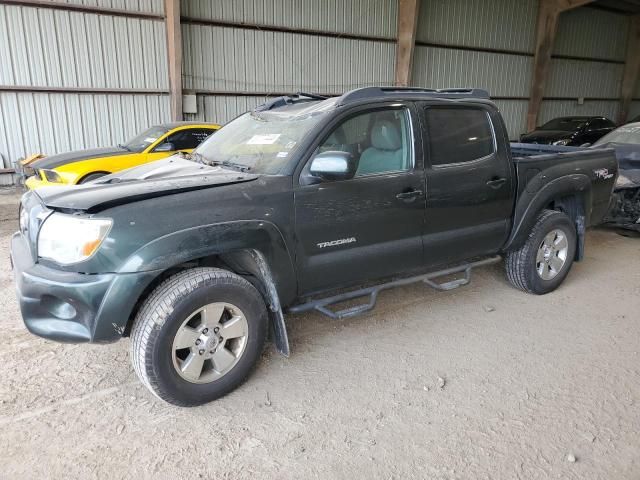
point(543, 262)
point(198, 335)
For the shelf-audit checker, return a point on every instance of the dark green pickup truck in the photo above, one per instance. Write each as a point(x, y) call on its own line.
point(294, 207)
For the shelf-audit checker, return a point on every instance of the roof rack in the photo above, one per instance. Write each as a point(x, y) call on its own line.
point(278, 102)
point(377, 92)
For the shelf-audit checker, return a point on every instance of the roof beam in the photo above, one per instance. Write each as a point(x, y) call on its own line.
point(548, 14)
point(631, 69)
point(407, 24)
point(72, 7)
point(174, 57)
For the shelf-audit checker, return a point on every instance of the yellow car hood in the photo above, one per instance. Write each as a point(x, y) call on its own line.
point(55, 161)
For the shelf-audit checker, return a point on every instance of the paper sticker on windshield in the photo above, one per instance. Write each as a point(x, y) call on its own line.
point(266, 139)
point(150, 139)
point(282, 154)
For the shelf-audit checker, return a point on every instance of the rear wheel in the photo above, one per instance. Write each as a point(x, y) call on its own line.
point(198, 335)
point(543, 262)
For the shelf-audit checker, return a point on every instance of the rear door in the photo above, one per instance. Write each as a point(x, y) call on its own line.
point(370, 226)
point(470, 182)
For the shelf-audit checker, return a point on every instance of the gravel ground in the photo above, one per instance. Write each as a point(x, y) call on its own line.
point(482, 382)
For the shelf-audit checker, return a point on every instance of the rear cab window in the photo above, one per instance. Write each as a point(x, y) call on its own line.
point(458, 135)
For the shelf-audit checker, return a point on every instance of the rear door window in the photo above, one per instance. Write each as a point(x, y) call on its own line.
point(458, 135)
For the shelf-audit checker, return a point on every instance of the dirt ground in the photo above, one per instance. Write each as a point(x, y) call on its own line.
point(482, 382)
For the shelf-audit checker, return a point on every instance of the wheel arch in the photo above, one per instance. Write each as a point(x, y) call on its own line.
point(569, 194)
point(254, 250)
point(88, 174)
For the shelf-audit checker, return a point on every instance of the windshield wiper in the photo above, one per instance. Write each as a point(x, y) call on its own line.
point(228, 164)
point(124, 147)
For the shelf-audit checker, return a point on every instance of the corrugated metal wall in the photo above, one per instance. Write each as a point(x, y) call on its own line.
point(280, 62)
point(60, 122)
point(73, 49)
point(222, 61)
point(237, 52)
point(502, 75)
point(500, 24)
point(466, 43)
point(51, 49)
point(223, 108)
point(154, 6)
point(588, 32)
point(596, 35)
point(358, 17)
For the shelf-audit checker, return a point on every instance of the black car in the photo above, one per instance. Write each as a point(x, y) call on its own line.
point(570, 131)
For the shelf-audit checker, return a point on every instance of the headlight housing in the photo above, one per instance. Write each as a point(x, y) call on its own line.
point(52, 176)
point(68, 239)
point(562, 142)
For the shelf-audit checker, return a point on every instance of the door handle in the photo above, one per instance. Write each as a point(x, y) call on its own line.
point(409, 195)
point(496, 182)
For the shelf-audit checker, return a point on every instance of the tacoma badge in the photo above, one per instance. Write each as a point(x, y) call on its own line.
point(334, 243)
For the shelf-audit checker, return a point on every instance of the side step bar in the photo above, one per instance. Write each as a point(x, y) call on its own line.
point(323, 305)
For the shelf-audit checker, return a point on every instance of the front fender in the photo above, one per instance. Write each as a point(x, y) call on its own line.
point(531, 203)
point(220, 238)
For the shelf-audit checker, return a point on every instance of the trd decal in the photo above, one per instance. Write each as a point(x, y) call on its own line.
point(603, 173)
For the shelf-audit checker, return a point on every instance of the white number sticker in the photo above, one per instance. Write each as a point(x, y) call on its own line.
point(266, 139)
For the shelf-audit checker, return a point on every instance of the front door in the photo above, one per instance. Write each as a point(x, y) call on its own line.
point(470, 183)
point(370, 226)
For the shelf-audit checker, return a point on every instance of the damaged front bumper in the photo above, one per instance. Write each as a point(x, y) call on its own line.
point(74, 307)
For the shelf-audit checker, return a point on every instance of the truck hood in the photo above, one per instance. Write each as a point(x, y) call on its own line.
point(163, 177)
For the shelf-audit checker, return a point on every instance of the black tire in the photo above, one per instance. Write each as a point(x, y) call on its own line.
point(521, 265)
point(161, 316)
point(92, 176)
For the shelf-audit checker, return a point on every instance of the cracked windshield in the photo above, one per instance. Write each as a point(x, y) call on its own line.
point(262, 142)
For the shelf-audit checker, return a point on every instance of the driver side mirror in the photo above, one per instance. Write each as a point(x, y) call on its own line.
point(165, 147)
point(333, 165)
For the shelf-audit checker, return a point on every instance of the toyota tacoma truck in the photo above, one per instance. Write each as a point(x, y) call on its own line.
point(301, 204)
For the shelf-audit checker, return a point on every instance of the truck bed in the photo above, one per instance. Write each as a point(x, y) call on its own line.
point(523, 150)
point(537, 166)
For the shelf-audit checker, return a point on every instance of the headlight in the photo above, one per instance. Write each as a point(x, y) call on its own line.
point(67, 239)
point(561, 142)
point(24, 218)
point(52, 176)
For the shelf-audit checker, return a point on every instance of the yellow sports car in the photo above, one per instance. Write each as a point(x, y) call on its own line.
point(83, 165)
